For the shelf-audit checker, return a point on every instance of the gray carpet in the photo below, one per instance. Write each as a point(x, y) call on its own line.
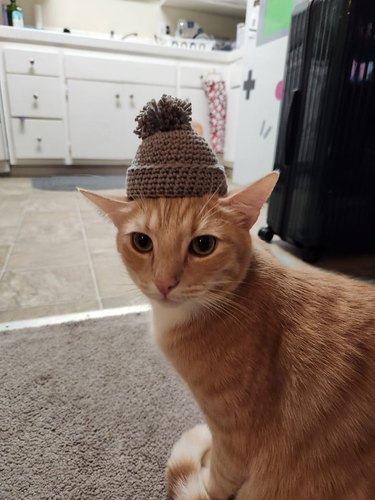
point(88, 410)
point(71, 182)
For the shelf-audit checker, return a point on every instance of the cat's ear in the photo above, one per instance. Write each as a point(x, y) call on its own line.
point(248, 201)
point(113, 207)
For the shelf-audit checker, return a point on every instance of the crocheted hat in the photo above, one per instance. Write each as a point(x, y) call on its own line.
point(172, 160)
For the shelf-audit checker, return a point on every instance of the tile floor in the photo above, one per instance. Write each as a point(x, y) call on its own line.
point(57, 255)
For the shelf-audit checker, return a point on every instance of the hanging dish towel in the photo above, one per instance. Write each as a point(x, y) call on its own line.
point(217, 108)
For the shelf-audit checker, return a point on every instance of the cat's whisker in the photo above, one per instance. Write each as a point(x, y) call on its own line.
point(226, 303)
point(209, 199)
point(218, 311)
point(223, 307)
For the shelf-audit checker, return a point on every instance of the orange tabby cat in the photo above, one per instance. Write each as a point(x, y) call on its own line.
point(280, 361)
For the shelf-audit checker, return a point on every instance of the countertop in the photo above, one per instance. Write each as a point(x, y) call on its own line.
point(105, 43)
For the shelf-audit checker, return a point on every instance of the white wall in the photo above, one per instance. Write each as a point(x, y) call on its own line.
point(122, 16)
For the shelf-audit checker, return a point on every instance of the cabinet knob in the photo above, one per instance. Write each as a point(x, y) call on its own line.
point(117, 96)
point(36, 97)
point(32, 62)
point(131, 96)
point(39, 139)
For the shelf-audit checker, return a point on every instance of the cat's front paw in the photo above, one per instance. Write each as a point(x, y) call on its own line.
point(184, 469)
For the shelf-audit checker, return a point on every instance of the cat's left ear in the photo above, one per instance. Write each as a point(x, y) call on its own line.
point(247, 202)
point(113, 207)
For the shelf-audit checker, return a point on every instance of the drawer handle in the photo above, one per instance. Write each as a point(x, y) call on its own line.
point(32, 62)
point(36, 97)
point(39, 139)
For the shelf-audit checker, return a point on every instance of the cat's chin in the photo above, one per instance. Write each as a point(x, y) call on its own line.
point(165, 301)
point(169, 302)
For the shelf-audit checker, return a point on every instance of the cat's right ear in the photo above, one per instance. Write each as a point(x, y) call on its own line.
point(113, 207)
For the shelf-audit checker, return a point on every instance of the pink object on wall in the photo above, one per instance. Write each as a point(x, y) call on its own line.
point(279, 90)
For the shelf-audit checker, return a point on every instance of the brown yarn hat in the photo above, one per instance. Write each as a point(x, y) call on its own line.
point(172, 160)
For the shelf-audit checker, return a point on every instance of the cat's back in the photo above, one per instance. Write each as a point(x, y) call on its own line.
point(310, 296)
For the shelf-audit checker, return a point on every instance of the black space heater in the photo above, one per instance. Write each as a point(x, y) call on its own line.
point(325, 197)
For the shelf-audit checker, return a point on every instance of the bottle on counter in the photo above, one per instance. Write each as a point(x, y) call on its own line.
point(15, 15)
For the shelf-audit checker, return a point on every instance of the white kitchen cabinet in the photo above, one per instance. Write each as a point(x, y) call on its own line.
point(75, 101)
point(96, 66)
point(4, 164)
point(102, 118)
point(38, 139)
point(34, 61)
point(35, 96)
point(34, 104)
point(135, 97)
point(3, 155)
point(96, 120)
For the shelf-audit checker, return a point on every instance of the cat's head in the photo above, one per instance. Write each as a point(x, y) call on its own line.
point(186, 250)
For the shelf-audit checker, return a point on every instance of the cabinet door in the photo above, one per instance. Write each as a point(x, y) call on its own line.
point(44, 139)
point(102, 118)
point(135, 96)
point(97, 120)
point(198, 99)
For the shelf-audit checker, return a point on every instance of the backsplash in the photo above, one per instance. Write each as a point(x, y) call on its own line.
point(123, 17)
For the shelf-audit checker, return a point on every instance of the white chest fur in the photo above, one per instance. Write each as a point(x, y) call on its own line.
point(166, 317)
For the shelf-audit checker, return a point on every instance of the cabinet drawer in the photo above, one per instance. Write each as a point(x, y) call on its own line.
point(35, 96)
point(32, 62)
point(38, 138)
point(113, 69)
point(192, 76)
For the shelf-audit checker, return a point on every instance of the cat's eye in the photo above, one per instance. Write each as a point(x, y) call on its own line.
point(142, 242)
point(202, 245)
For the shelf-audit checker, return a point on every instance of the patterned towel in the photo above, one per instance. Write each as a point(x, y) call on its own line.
point(217, 107)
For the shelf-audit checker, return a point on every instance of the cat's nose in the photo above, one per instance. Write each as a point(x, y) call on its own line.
point(166, 286)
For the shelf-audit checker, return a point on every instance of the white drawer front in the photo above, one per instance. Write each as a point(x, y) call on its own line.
point(3, 153)
point(119, 70)
point(35, 96)
point(32, 62)
point(193, 76)
point(44, 139)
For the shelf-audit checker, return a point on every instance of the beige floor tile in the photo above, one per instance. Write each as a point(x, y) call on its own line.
point(52, 310)
point(98, 227)
point(86, 206)
point(101, 241)
point(52, 201)
point(14, 186)
point(112, 278)
point(37, 254)
point(8, 235)
point(44, 227)
point(123, 301)
point(4, 250)
point(10, 215)
point(34, 288)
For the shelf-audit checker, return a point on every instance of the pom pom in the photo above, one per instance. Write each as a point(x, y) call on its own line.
point(170, 113)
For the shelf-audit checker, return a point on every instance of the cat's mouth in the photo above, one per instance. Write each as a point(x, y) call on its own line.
point(169, 301)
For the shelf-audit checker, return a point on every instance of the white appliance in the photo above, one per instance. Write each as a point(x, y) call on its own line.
point(263, 72)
